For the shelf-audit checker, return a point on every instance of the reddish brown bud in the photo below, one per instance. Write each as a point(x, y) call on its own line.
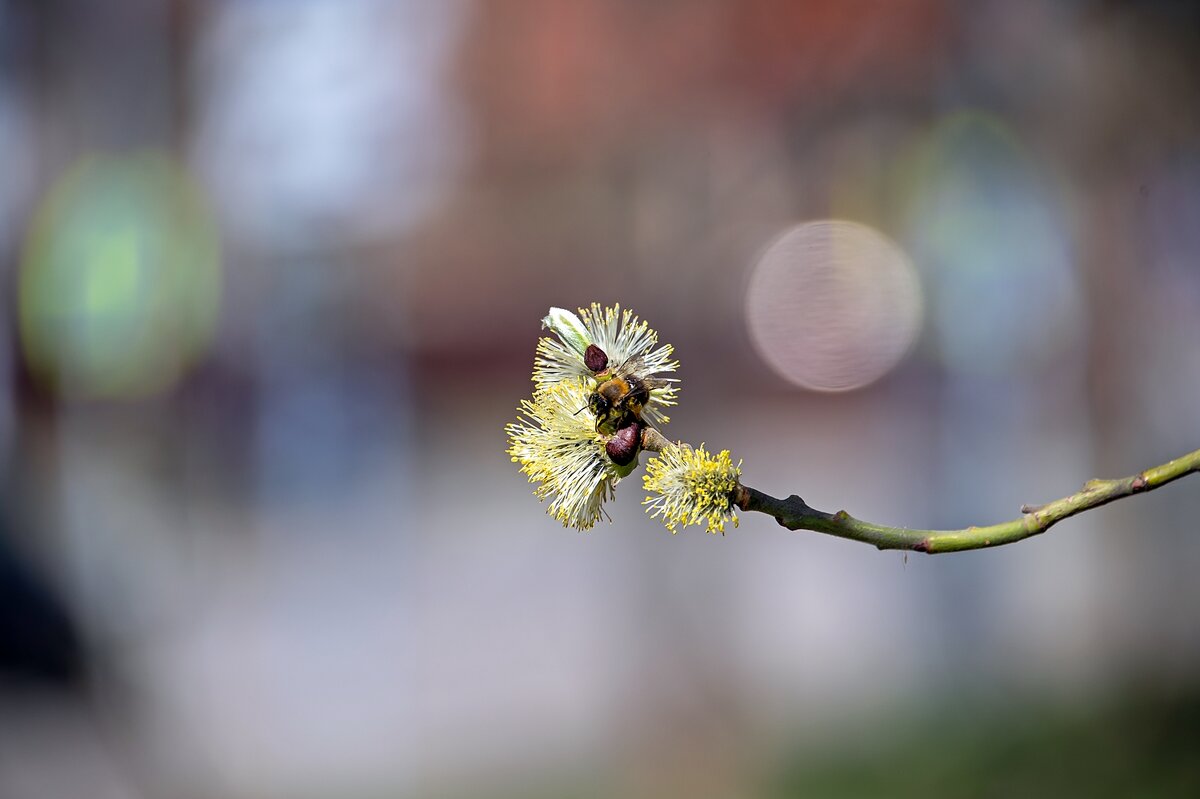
point(622, 448)
point(595, 358)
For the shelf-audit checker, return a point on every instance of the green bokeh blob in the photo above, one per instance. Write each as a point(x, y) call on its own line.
point(119, 285)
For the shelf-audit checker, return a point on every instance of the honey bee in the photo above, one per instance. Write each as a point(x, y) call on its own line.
point(621, 392)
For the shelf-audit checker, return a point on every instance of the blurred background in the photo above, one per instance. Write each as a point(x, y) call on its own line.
point(272, 275)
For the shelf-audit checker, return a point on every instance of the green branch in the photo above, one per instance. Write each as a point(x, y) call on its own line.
point(794, 514)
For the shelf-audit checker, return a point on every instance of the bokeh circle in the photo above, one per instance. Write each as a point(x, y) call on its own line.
point(833, 305)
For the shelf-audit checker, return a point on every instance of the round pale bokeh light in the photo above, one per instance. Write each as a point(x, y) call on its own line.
point(833, 305)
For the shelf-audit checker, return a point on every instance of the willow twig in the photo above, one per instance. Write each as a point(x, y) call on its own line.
point(794, 514)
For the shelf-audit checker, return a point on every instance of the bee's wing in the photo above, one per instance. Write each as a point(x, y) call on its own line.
point(630, 366)
point(634, 366)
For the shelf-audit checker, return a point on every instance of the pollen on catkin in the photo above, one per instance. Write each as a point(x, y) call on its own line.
point(692, 486)
point(597, 389)
point(559, 449)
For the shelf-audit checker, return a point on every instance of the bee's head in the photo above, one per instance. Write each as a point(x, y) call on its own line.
point(598, 404)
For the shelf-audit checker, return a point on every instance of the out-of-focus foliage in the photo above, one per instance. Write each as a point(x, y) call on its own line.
point(1128, 748)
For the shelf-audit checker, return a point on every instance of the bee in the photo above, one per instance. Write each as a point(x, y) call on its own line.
point(621, 392)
